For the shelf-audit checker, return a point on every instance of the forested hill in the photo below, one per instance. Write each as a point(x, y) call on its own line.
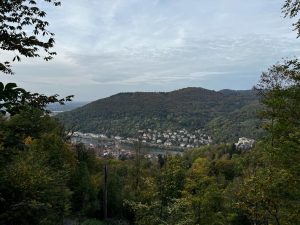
point(225, 114)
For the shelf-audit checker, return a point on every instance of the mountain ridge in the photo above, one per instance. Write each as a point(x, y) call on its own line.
point(190, 108)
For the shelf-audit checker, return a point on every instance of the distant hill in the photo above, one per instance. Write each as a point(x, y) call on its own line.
point(225, 114)
point(56, 107)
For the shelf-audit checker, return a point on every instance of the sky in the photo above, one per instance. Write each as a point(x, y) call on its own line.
point(109, 46)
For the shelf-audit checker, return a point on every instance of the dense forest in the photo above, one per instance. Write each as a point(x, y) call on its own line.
point(226, 115)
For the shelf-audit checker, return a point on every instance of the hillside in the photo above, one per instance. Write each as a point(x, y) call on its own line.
point(225, 114)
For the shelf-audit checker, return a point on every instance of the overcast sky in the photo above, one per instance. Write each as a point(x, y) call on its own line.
point(110, 46)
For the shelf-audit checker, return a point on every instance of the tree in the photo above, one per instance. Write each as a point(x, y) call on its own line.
point(23, 30)
point(14, 99)
point(170, 183)
point(29, 123)
point(269, 192)
point(35, 168)
point(204, 194)
point(291, 9)
point(160, 194)
point(279, 89)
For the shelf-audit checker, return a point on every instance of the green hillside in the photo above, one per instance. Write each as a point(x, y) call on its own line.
point(225, 114)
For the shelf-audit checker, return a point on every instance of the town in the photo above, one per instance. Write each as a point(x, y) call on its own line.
point(153, 142)
point(181, 138)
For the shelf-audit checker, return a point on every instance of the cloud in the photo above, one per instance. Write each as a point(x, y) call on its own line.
point(197, 56)
point(110, 46)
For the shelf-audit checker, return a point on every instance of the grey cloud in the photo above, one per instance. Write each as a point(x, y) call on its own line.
point(198, 57)
point(110, 46)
